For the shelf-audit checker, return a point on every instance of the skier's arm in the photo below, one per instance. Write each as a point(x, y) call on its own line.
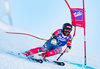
point(53, 40)
point(56, 33)
point(68, 44)
point(53, 36)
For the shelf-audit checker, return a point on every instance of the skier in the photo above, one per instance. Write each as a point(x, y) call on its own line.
point(53, 46)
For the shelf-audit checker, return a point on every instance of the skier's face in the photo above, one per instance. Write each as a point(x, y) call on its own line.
point(66, 32)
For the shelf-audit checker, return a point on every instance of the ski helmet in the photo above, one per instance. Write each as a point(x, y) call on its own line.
point(67, 26)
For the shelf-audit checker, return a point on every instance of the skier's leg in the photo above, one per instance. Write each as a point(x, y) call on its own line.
point(44, 48)
point(34, 51)
point(52, 52)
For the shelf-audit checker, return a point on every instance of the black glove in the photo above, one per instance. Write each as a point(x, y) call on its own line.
point(68, 48)
point(53, 36)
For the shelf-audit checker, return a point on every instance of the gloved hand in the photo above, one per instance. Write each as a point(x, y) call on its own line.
point(68, 48)
point(53, 41)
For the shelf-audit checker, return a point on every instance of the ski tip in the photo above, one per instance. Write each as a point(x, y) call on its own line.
point(41, 61)
point(6, 32)
point(59, 63)
point(62, 64)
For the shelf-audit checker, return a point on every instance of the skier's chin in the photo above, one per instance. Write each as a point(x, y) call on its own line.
point(66, 34)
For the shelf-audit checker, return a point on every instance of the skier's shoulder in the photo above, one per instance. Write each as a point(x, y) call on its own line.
point(58, 31)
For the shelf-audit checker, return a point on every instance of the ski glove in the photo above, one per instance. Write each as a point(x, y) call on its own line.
point(68, 48)
point(53, 36)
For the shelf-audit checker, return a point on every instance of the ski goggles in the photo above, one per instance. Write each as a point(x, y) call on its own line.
point(67, 30)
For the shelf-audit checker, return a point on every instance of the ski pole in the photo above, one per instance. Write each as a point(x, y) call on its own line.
point(28, 35)
point(61, 54)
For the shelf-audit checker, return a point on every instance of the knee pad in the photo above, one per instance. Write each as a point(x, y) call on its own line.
point(52, 52)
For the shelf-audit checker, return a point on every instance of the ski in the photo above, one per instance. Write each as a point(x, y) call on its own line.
point(36, 60)
point(46, 60)
point(59, 63)
point(55, 62)
point(31, 58)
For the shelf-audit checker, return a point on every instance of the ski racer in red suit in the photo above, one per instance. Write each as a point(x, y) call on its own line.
point(59, 38)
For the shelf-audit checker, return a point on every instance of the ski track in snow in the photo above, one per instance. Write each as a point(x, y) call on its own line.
point(11, 61)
